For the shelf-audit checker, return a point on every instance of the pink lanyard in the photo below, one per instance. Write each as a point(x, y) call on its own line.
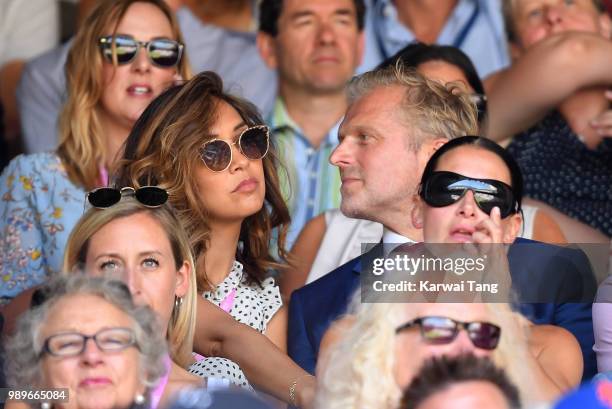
point(103, 175)
point(157, 393)
point(226, 305)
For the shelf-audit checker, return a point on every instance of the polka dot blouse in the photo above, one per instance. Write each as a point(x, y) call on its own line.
point(561, 171)
point(254, 305)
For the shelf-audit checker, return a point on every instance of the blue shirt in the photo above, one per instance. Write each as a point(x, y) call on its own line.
point(39, 206)
point(309, 183)
point(475, 26)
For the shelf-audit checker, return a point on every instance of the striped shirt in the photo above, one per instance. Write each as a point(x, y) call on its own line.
point(310, 184)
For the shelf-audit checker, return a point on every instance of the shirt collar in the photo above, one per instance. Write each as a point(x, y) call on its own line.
point(281, 121)
point(389, 236)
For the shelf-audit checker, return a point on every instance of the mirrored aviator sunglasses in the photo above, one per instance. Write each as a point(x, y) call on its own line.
point(444, 188)
point(162, 52)
point(105, 197)
point(253, 143)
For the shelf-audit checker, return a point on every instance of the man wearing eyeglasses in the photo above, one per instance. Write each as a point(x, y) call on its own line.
point(395, 121)
point(315, 46)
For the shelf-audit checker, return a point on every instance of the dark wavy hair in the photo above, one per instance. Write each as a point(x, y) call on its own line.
point(162, 150)
point(516, 177)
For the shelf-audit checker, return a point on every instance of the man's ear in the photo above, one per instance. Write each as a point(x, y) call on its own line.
point(182, 279)
point(267, 50)
point(514, 225)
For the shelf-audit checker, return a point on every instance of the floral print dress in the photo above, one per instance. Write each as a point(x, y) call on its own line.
point(39, 206)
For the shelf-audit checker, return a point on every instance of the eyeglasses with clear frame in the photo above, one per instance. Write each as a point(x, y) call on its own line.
point(68, 344)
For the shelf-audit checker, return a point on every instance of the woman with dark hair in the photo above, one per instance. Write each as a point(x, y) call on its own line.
point(443, 62)
point(487, 204)
point(211, 152)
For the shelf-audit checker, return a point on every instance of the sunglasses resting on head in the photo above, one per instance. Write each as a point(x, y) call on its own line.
point(443, 330)
point(443, 188)
point(149, 196)
point(162, 52)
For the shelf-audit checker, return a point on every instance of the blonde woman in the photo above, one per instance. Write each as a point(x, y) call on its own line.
point(126, 53)
point(370, 357)
point(141, 242)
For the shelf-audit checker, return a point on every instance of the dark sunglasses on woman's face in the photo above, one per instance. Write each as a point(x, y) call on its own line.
point(443, 330)
point(253, 143)
point(104, 197)
point(162, 52)
point(443, 188)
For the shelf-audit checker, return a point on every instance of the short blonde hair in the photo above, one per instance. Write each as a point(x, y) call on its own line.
point(81, 141)
point(359, 373)
point(181, 328)
point(430, 109)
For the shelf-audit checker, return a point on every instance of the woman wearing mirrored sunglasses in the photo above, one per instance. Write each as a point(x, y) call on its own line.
point(212, 153)
point(376, 353)
point(471, 191)
point(125, 54)
point(90, 339)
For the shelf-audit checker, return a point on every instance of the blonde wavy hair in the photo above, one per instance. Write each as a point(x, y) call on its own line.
point(163, 149)
point(360, 365)
point(81, 146)
point(181, 328)
point(430, 109)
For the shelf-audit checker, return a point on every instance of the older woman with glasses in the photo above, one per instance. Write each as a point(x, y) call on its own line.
point(90, 343)
point(125, 54)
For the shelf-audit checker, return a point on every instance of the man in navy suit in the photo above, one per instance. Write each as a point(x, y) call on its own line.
point(395, 121)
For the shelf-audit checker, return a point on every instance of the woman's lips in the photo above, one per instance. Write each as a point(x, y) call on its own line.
point(246, 186)
point(93, 382)
point(140, 90)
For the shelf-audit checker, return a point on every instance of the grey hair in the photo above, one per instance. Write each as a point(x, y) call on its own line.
point(23, 350)
point(430, 109)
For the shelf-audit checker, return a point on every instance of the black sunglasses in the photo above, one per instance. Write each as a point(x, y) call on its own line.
point(104, 197)
point(253, 143)
point(445, 188)
point(162, 52)
point(443, 330)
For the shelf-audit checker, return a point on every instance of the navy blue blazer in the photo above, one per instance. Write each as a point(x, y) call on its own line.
point(534, 266)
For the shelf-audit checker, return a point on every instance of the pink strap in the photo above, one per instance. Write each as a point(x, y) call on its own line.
point(228, 302)
point(157, 393)
point(226, 305)
point(103, 175)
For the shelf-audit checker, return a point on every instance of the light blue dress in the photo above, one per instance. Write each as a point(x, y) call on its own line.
point(39, 206)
